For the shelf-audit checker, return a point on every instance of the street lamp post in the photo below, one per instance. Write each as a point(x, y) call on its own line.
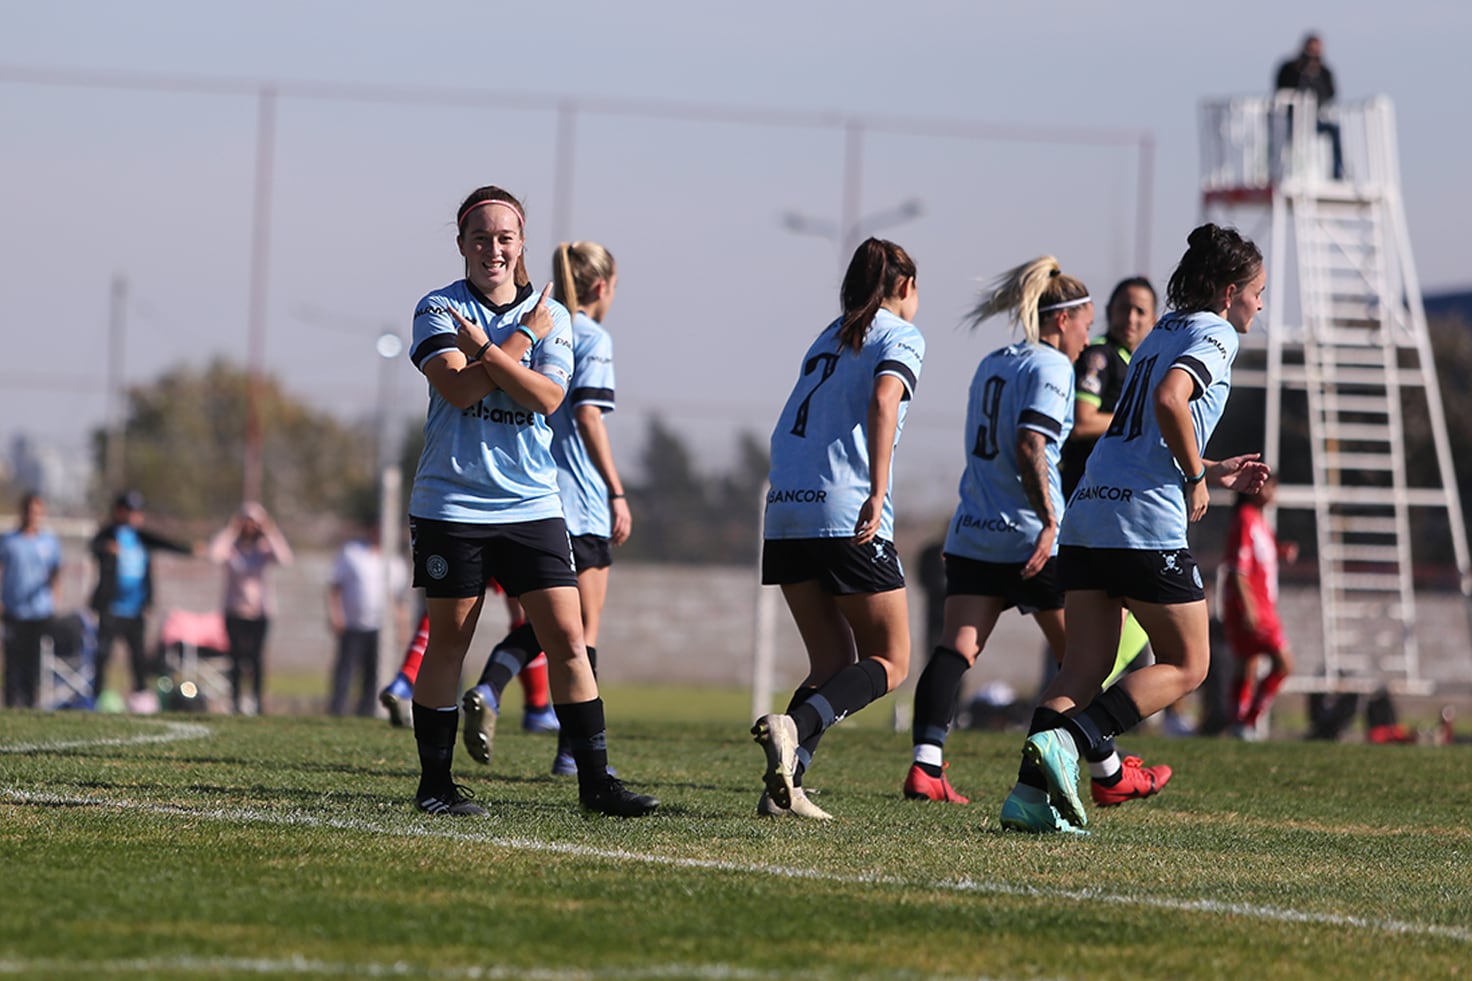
point(390, 485)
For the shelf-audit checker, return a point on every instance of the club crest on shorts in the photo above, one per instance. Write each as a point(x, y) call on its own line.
point(437, 567)
point(1170, 559)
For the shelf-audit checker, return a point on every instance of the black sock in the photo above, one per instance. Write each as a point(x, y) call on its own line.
point(1101, 752)
point(1043, 719)
point(844, 694)
point(584, 726)
point(1107, 716)
point(509, 657)
point(935, 696)
point(809, 746)
point(434, 734)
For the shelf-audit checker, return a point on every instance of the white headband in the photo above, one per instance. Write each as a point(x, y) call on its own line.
point(1066, 304)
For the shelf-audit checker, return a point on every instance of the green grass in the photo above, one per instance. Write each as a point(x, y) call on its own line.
point(285, 846)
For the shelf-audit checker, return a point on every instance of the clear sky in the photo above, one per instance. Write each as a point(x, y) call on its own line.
point(717, 300)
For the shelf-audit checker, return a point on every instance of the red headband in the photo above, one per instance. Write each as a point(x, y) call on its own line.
point(520, 219)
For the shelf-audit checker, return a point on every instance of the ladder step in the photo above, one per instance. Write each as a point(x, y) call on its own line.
point(1362, 357)
point(1363, 524)
point(1383, 462)
point(1371, 377)
point(1362, 404)
point(1362, 553)
point(1359, 432)
point(1365, 582)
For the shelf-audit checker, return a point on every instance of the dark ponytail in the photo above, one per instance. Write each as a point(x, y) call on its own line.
point(1215, 259)
point(876, 272)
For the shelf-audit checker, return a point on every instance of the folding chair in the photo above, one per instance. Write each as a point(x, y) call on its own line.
point(194, 648)
point(68, 653)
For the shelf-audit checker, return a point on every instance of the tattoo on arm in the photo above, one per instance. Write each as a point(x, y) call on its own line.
point(1032, 466)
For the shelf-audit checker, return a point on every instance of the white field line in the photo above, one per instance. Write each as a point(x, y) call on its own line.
point(159, 966)
point(173, 732)
point(464, 831)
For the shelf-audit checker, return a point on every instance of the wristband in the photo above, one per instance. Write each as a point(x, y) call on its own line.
point(481, 353)
point(531, 335)
point(1199, 477)
point(615, 497)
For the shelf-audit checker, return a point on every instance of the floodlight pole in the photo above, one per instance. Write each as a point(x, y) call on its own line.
point(260, 262)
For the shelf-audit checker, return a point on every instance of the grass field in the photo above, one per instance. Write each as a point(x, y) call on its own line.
point(207, 846)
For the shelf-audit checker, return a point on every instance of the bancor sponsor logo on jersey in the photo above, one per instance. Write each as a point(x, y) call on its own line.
point(1103, 492)
point(509, 417)
point(988, 524)
point(798, 495)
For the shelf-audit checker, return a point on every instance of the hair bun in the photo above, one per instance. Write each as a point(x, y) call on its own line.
point(1203, 236)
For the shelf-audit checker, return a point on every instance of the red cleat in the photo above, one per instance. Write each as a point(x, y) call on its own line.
point(1135, 781)
point(920, 785)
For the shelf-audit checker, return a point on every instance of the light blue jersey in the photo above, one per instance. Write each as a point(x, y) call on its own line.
point(584, 493)
point(1020, 387)
point(28, 563)
point(1132, 493)
point(490, 463)
point(820, 450)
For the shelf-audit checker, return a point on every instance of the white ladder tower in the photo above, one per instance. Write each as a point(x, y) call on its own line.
point(1358, 352)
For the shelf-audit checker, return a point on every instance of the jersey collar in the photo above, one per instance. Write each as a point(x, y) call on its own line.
point(522, 293)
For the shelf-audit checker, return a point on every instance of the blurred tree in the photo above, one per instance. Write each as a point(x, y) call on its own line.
point(185, 446)
point(680, 516)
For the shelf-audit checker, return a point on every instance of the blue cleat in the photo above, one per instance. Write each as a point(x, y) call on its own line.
point(1027, 809)
point(481, 710)
point(1053, 751)
point(563, 765)
point(543, 719)
point(396, 698)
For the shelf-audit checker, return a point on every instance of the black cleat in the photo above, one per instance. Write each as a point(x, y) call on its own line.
point(612, 797)
point(456, 801)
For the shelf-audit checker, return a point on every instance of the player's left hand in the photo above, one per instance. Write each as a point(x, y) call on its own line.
point(867, 527)
point(1244, 474)
point(1042, 550)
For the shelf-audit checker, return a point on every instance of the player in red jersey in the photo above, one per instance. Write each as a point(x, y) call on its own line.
point(1249, 578)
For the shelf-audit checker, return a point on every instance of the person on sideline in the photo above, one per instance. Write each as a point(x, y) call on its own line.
point(1001, 547)
point(363, 594)
point(829, 519)
point(30, 570)
point(485, 500)
point(123, 549)
point(1249, 589)
point(1123, 542)
point(536, 703)
point(246, 547)
point(583, 279)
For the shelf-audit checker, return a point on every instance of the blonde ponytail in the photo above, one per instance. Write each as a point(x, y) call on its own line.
point(1021, 291)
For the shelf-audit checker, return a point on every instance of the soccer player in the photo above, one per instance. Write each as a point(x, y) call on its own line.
point(1249, 582)
point(999, 551)
point(537, 714)
point(584, 279)
point(1123, 541)
point(485, 500)
point(829, 520)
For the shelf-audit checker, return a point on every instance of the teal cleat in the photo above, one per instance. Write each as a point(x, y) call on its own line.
point(1053, 752)
point(1034, 816)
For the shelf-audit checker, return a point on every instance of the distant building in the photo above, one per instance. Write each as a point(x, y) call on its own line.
point(62, 473)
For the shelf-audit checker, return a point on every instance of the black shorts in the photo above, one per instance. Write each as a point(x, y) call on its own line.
point(1150, 575)
point(839, 566)
point(591, 552)
point(454, 560)
point(970, 577)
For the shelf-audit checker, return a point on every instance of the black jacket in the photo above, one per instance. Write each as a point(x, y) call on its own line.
point(107, 564)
